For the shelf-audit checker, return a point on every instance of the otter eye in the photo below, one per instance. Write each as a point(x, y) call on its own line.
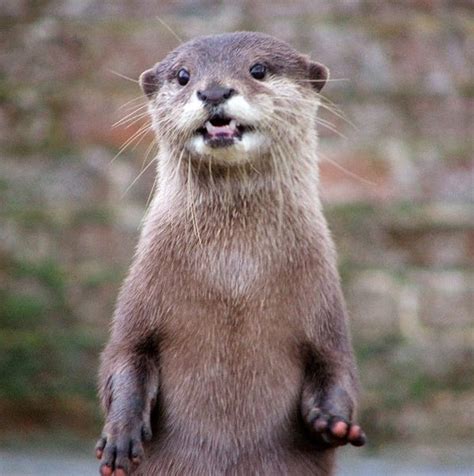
point(183, 76)
point(258, 71)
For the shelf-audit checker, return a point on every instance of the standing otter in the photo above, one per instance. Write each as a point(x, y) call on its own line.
point(229, 352)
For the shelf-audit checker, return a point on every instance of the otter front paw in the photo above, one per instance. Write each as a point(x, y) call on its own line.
point(120, 448)
point(334, 430)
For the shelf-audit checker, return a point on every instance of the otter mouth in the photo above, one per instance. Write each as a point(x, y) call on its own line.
point(222, 131)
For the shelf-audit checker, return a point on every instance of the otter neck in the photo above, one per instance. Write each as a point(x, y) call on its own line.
point(272, 176)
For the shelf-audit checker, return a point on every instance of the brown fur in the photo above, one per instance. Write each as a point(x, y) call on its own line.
point(231, 326)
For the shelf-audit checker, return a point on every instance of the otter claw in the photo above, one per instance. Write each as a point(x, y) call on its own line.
point(121, 450)
point(334, 430)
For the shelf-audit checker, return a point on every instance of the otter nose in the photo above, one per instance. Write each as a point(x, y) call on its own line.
point(215, 94)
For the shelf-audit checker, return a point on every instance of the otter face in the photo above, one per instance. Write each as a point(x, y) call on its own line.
point(225, 97)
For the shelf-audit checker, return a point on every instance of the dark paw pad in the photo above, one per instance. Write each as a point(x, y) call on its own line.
point(333, 430)
point(120, 450)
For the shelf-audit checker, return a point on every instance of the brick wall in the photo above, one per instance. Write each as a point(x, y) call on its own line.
point(397, 189)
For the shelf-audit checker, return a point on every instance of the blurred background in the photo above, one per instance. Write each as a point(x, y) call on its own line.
point(397, 183)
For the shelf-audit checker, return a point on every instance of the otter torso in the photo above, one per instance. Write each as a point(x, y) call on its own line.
point(229, 340)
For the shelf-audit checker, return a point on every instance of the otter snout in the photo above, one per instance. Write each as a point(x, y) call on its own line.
point(215, 94)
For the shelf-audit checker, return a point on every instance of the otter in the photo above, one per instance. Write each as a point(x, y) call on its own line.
point(229, 352)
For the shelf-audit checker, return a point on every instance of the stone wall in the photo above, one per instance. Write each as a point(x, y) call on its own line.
point(397, 185)
point(411, 296)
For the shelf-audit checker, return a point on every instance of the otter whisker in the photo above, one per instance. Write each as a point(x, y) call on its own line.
point(322, 80)
point(330, 106)
point(311, 116)
point(178, 165)
point(155, 183)
point(123, 76)
point(139, 120)
point(347, 171)
point(137, 136)
point(138, 177)
point(180, 40)
point(191, 203)
point(131, 103)
point(132, 116)
point(148, 151)
point(211, 178)
point(324, 102)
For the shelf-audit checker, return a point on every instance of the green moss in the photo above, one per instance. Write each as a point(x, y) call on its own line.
point(26, 365)
point(4, 185)
point(50, 363)
point(31, 218)
point(352, 211)
point(50, 300)
point(52, 148)
point(103, 276)
point(28, 217)
point(380, 348)
point(100, 216)
point(420, 386)
point(6, 89)
point(47, 272)
point(467, 90)
point(20, 310)
point(345, 270)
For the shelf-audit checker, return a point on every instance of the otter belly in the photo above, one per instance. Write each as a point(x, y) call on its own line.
point(228, 378)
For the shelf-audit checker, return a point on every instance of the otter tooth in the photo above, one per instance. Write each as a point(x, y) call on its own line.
point(210, 128)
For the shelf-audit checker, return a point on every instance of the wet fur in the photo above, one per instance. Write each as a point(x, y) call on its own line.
point(231, 325)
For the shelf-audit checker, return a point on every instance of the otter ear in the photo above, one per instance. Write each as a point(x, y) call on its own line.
point(318, 75)
point(149, 82)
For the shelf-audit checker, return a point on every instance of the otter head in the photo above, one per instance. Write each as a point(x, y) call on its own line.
point(229, 97)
